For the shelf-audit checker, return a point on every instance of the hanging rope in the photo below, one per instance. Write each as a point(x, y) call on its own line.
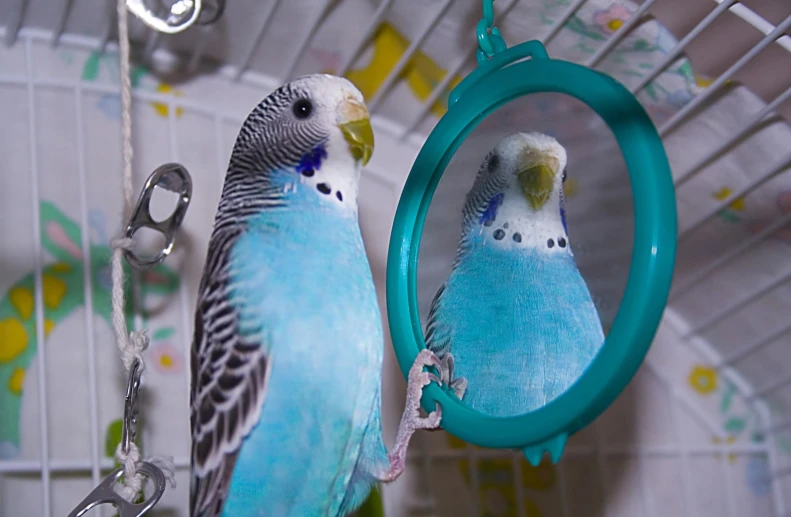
point(131, 344)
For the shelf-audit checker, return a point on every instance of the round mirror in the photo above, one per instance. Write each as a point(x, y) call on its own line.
point(505, 290)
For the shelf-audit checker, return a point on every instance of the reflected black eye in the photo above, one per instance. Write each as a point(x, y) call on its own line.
point(302, 108)
point(494, 162)
point(564, 176)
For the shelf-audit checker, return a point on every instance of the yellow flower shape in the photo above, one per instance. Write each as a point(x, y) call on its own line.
point(738, 204)
point(722, 193)
point(730, 440)
point(613, 18)
point(725, 192)
point(22, 300)
point(16, 381)
point(49, 325)
point(160, 107)
point(13, 340)
point(54, 290)
point(703, 379)
point(61, 267)
point(702, 81)
point(167, 358)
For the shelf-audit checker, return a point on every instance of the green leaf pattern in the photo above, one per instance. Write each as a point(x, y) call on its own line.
point(163, 333)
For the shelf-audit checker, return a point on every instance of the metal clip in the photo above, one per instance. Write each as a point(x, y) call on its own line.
point(129, 428)
point(104, 493)
point(183, 14)
point(172, 177)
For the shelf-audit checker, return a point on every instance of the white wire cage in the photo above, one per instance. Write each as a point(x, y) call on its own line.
point(702, 430)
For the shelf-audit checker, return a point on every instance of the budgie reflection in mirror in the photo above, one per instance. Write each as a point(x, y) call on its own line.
point(287, 353)
point(514, 325)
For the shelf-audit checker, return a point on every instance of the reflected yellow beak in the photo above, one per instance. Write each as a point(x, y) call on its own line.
point(356, 128)
point(537, 183)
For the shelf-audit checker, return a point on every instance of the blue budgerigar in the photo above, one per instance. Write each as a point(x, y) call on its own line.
point(514, 325)
point(287, 353)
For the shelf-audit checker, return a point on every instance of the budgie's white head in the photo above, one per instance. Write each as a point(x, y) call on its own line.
point(518, 194)
point(318, 125)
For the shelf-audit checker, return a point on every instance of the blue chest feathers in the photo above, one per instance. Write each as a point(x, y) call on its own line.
point(303, 269)
point(522, 326)
point(305, 290)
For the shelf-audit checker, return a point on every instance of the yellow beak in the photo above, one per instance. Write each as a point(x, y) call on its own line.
point(356, 129)
point(537, 183)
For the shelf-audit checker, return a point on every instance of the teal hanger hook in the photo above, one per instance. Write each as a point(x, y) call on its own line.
point(489, 43)
point(503, 76)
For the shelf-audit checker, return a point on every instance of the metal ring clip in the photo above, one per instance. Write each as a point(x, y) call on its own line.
point(175, 178)
point(104, 493)
point(183, 14)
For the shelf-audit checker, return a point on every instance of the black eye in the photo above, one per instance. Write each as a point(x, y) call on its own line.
point(564, 176)
point(494, 162)
point(302, 108)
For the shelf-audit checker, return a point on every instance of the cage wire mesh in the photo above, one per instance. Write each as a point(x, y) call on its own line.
point(702, 430)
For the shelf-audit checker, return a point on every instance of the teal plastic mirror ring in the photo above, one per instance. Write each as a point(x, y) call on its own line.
point(653, 255)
